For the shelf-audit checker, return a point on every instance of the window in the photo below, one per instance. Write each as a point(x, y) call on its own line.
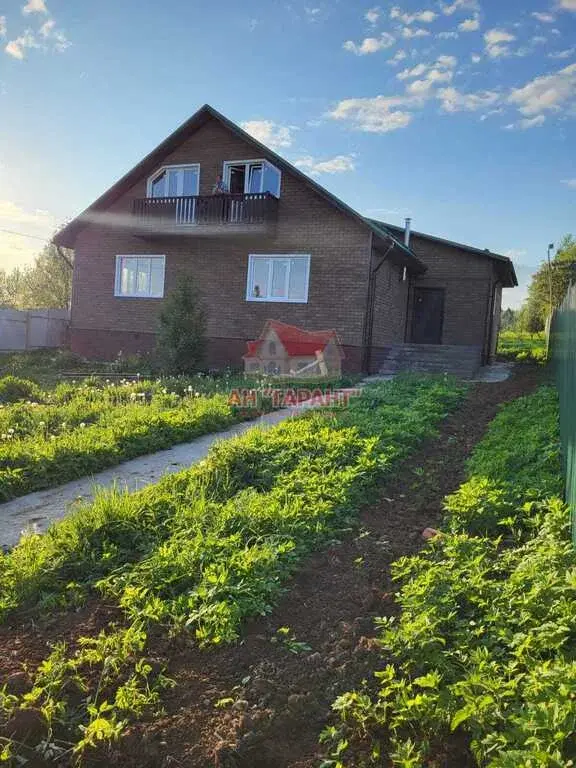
point(140, 276)
point(251, 176)
point(278, 278)
point(175, 181)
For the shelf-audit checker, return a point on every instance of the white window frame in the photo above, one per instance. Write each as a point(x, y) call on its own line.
point(272, 257)
point(118, 275)
point(179, 166)
point(229, 163)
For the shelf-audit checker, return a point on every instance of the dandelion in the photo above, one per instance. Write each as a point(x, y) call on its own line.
point(11, 431)
point(82, 425)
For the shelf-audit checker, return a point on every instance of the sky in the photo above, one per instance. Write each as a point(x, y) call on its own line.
point(458, 113)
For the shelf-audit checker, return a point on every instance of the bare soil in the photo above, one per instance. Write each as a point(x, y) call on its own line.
point(281, 692)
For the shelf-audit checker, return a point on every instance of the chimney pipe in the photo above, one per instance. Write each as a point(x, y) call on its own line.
point(407, 233)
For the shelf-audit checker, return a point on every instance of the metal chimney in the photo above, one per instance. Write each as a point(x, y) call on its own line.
point(407, 233)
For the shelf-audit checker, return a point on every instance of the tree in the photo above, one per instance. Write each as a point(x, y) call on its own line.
point(560, 273)
point(181, 341)
point(45, 284)
point(508, 319)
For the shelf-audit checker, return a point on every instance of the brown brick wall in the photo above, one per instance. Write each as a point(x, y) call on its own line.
point(221, 353)
point(390, 305)
point(468, 281)
point(306, 224)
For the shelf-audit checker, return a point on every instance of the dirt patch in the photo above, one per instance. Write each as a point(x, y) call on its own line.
point(263, 703)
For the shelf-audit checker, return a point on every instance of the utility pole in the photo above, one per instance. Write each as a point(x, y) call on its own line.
point(550, 249)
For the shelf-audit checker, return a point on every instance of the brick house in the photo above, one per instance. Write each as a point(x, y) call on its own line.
point(276, 245)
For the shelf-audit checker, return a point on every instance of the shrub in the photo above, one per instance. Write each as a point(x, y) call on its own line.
point(13, 389)
point(182, 331)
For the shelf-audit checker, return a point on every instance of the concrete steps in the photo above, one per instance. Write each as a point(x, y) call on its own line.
point(461, 361)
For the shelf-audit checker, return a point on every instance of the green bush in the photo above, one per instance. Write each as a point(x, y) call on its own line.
point(13, 390)
point(483, 651)
point(181, 345)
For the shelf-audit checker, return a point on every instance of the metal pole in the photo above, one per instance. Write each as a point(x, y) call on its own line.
point(550, 248)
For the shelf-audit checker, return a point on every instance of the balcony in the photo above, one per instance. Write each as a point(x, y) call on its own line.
point(205, 215)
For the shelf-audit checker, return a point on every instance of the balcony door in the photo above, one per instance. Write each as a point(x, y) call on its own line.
point(182, 183)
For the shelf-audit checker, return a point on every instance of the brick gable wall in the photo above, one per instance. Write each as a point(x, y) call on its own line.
point(102, 324)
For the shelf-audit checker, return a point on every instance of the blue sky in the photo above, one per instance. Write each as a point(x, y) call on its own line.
point(460, 113)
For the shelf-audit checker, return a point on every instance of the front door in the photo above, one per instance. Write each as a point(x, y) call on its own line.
point(427, 316)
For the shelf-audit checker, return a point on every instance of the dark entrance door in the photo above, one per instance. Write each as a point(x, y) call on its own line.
point(427, 316)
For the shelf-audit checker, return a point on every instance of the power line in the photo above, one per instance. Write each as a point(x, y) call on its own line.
point(23, 234)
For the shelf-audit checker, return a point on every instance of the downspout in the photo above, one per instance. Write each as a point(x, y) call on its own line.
point(369, 317)
point(488, 323)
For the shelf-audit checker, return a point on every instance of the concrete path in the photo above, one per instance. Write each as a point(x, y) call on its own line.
point(38, 510)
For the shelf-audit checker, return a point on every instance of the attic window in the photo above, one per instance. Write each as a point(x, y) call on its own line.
point(175, 181)
point(251, 177)
point(278, 278)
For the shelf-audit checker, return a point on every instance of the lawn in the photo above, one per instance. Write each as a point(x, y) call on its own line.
point(479, 667)
point(195, 556)
point(520, 346)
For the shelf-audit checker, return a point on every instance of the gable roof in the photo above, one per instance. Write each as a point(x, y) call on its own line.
point(506, 269)
point(67, 235)
point(296, 341)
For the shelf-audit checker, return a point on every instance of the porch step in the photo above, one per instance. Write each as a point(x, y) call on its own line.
point(461, 361)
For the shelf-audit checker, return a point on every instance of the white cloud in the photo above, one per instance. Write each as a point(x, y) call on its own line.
point(380, 114)
point(372, 15)
point(457, 5)
point(569, 183)
point(47, 28)
point(3, 26)
point(312, 14)
point(421, 88)
point(568, 5)
point(423, 17)
point(538, 40)
point(337, 164)
point(416, 71)
point(397, 58)
point(16, 250)
point(369, 44)
point(547, 92)
point(496, 43)
point(526, 123)
point(409, 33)
point(476, 58)
point(566, 54)
point(447, 35)
point(269, 133)
point(34, 6)
point(17, 47)
point(453, 100)
point(470, 25)
point(545, 18)
point(439, 71)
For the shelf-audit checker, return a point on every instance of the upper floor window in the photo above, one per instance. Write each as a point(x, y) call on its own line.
point(278, 278)
point(140, 276)
point(175, 181)
point(251, 176)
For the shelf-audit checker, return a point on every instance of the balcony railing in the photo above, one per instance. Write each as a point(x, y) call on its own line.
point(251, 211)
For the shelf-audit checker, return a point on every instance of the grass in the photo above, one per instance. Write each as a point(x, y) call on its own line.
point(76, 430)
point(483, 651)
point(204, 549)
point(522, 347)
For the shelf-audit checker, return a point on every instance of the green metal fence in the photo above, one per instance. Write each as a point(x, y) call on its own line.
point(563, 354)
